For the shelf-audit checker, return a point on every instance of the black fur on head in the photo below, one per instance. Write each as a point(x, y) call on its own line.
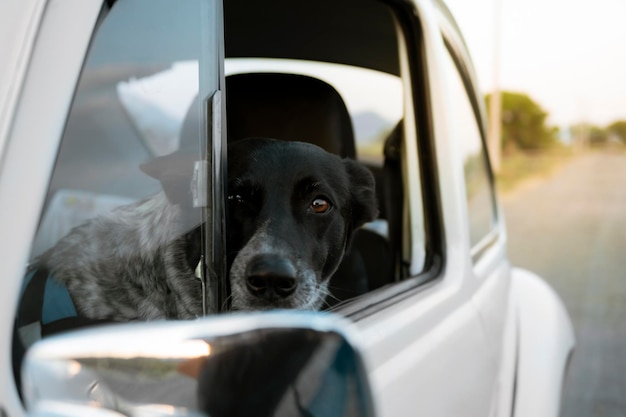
point(363, 202)
point(273, 187)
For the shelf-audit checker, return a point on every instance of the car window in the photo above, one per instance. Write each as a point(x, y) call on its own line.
point(478, 185)
point(358, 55)
point(374, 117)
point(135, 141)
point(122, 187)
point(374, 111)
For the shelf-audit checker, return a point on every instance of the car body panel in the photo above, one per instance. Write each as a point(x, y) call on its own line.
point(407, 342)
point(31, 145)
point(410, 372)
point(546, 339)
point(19, 24)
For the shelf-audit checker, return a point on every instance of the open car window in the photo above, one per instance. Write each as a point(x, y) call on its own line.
point(374, 111)
point(359, 55)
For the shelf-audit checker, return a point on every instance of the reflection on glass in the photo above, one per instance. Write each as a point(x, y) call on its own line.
point(117, 215)
point(375, 111)
point(463, 124)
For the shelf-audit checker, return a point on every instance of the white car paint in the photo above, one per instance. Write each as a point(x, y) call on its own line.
point(546, 340)
point(19, 23)
point(455, 322)
point(31, 140)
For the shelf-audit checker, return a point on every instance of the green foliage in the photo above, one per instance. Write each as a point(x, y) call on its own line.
point(592, 135)
point(618, 129)
point(524, 123)
point(597, 136)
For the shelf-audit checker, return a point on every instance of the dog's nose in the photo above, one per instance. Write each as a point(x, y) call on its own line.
point(268, 274)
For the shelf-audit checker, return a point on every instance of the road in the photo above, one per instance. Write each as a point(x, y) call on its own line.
point(571, 229)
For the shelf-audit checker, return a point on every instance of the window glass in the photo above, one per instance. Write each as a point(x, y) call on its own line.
point(374, 111)
point(374, 115)
point(478, 187)
point(358, 56)
point(120, 207)
point(123, 188)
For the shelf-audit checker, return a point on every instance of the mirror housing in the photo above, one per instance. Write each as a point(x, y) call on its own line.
point(283, 363)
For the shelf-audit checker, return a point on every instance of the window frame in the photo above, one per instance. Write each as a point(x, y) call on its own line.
point(29, 149)
point(478, 249)
point(414, 73)
point(216, 264)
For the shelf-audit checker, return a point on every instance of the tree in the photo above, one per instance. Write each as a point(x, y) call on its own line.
point(524, 123)
point(618, 129)
point(598, 136)
point(590, 135)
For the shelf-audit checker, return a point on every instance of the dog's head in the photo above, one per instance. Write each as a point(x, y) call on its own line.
point(293, 208)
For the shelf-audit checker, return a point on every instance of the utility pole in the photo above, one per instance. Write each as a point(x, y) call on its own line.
point(495, 105)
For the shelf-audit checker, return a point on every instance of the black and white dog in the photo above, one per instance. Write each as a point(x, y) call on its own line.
point(292, 210)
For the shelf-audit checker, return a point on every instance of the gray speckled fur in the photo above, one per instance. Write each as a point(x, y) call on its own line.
point(128, 265)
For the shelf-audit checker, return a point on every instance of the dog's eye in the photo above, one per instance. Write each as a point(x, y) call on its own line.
point(236, 199)
point(319, 205)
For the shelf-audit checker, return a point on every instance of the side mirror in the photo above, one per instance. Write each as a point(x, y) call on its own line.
point(249, 364)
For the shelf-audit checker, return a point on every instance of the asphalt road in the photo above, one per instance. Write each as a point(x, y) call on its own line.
point(571, 229)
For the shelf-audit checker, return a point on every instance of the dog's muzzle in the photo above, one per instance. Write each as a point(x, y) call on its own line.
point(270, 277)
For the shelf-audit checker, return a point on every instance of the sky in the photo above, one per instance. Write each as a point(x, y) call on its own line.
point(567, 55)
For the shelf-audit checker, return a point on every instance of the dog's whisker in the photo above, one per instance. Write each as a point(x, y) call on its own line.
point(319, 295)
point(226, 302)
point(331, 295)
point(325, 302)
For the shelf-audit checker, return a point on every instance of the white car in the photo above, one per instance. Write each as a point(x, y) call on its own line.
point(440, 324)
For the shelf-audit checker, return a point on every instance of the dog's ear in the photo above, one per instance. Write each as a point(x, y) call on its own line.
point(364, 207)
point(175, 172)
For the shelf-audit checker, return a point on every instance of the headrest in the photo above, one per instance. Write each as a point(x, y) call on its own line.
point(288, 107)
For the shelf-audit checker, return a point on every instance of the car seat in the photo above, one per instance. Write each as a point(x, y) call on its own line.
point(288, 107)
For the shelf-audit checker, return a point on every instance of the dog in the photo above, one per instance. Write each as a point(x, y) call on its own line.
point(292, 211)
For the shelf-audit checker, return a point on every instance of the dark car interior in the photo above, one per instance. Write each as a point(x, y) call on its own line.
point(353, 32)
point(296, 107)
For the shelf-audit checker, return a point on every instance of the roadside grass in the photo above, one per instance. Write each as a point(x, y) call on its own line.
point(522, 166)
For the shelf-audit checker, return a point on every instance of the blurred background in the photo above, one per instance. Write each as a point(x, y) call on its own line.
point(553, 73)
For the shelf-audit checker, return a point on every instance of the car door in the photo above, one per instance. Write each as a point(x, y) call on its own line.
point(97, 95)
point(433, 330)
point(437, 349)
